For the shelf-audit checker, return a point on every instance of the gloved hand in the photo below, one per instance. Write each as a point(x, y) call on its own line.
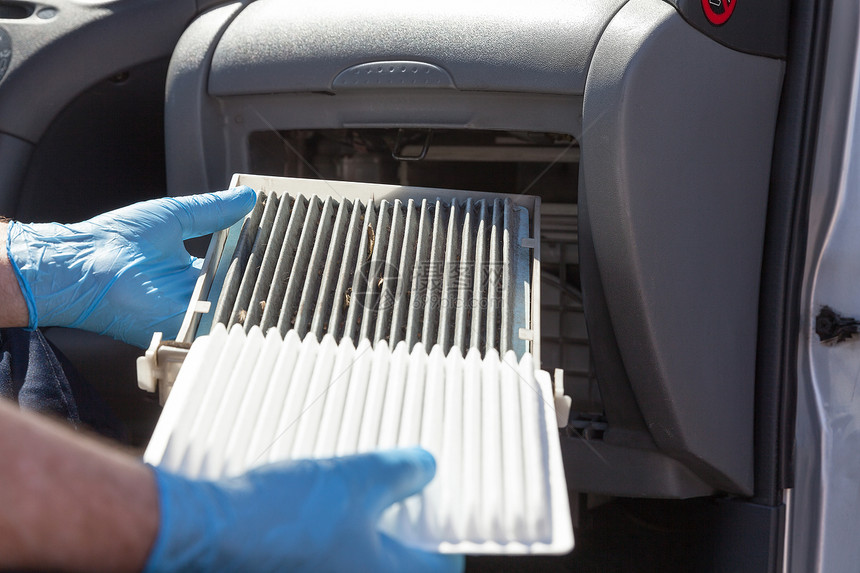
point(310, 515)
point(125, 273)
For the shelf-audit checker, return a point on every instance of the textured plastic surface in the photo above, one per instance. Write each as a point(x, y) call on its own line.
point(207, 136)
point(189, 111)
point(54, 59)
point(242, 400)
point(599, 467)
point(677, 192)
point(542, 46)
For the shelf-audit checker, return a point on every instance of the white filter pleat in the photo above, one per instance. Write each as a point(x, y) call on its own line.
point(228, 403)
point(413, 402)
point(451, 455)
point(534, 448)
point(246, 399)
point(335, 403)
point(410, 427)
point(319, 385)
point(171, 435)
point(294, 401)
point(513, 478)
point(432, 425)
point(265, 430)
point(470, 514)
point(368, 434)
point(210, 399)
point(493, 503)
point(347, 440)
point(389, 425)
point(239, 438)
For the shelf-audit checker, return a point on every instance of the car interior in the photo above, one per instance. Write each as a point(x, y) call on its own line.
point(668, 142)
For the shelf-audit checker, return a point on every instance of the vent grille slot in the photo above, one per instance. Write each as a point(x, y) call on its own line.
point(429, 270)
point(243, 400)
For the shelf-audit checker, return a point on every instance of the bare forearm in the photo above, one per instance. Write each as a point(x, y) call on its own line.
point(13, 307)
point(70, 503)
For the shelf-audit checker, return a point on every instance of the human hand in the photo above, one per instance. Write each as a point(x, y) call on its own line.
point(309, 515)
point(125, 273)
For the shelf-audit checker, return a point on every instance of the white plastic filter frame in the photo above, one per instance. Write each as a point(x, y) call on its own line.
point(242, 400)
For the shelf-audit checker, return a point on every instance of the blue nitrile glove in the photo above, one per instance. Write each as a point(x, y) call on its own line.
point(125, 273)
point(304, 516)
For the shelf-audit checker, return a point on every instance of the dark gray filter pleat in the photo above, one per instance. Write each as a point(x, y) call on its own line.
point(506, 308)
point(433, 274)
point(275, 298)
point(481, 277)
point(314, 274)
point(237, 264)
point(374, 270)
point(415, 312)
point(354, 297)
point(450, 267)
point(465, 278)
point(494, 274)
point(333, 264)
point(342, 299)
point(252, 268)
point(270, 259)
point(403, 296)
point(390, 273)
point(299, 270)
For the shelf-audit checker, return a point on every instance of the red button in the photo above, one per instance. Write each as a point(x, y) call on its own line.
point(718, 11)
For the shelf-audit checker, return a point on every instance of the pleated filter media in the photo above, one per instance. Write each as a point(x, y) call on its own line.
point(245, 399)
point(379, 262)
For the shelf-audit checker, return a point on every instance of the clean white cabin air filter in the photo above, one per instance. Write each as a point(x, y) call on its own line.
point(242, 400)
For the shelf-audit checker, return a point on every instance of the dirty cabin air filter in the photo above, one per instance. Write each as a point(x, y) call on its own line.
point(380, 262)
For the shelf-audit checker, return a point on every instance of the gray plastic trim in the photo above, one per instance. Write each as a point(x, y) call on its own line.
point(55, 59)
point(542, 46)
point(191, 118)
point(602, 468)
point(676, 159)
